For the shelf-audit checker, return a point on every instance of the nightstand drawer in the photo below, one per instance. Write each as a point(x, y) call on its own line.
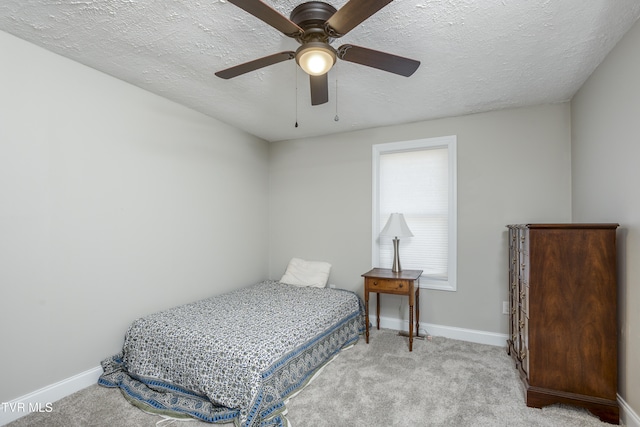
point(379, 285)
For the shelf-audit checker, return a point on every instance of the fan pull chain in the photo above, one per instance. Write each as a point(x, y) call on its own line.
point(336, 118)
point(296, 77)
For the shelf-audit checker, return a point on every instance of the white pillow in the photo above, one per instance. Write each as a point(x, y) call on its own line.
point(306, 273)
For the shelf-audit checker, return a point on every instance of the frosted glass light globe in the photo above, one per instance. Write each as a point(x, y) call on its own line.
point(316, 59)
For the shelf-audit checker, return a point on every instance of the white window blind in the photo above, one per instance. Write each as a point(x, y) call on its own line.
point(417, 179)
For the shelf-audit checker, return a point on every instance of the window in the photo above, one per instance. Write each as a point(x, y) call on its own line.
point(418, 178)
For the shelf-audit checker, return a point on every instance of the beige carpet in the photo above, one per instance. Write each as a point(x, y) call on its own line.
point(443, 382)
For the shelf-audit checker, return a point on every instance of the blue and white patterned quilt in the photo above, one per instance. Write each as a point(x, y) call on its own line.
point(234, 357)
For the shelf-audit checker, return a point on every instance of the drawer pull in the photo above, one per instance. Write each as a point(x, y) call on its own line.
point(375, 283)
point(399, 285)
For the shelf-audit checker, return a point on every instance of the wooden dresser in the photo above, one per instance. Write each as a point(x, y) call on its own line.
point(563, 316)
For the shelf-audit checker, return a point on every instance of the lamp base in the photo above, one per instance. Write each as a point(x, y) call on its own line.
point(396, 256)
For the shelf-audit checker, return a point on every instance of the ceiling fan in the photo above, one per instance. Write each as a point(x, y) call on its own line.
point(315, 25)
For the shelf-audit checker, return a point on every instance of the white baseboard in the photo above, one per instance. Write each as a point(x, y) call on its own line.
point(628, 417)
point(471, 335)
point(43, 400)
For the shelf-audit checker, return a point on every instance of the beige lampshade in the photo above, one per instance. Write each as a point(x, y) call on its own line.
point(396, 227)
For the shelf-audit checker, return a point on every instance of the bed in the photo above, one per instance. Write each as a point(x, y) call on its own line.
point(235, 357)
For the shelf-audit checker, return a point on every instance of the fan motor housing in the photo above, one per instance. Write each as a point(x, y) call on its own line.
point(311, 16)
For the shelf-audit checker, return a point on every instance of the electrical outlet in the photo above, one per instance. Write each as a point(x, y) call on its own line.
point(505, 307)
point(332, 286)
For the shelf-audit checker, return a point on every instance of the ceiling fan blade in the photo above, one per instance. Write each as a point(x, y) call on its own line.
point(269, 15)
point(380, 60)
point(352, 14)
point(255, 64)
point(319, 89)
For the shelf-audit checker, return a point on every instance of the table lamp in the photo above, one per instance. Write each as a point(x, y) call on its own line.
point(396, 227)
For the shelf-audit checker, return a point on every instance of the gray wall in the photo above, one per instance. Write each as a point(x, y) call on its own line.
point(114, 203)
point(606, 152)
point(513, 166)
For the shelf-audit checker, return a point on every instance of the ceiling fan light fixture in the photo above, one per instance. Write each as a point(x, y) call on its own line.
point(316, 58)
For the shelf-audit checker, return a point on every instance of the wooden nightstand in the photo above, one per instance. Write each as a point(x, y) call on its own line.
point(385, 281)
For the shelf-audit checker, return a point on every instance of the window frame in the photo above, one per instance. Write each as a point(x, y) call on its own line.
point(450, 143)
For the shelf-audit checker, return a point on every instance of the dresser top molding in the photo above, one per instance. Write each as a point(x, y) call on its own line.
point(567, 225)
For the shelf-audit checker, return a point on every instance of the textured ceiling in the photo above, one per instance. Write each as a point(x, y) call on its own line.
point(476, 55)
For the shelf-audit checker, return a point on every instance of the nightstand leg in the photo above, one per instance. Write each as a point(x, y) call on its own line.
point(410, 328)
point(418, 310)
point(378, 310)
point(366, 315)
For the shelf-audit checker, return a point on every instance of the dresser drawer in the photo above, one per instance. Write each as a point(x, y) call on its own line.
point(387, 285)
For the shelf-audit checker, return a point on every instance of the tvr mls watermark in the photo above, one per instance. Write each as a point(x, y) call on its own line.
point(27, 407)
